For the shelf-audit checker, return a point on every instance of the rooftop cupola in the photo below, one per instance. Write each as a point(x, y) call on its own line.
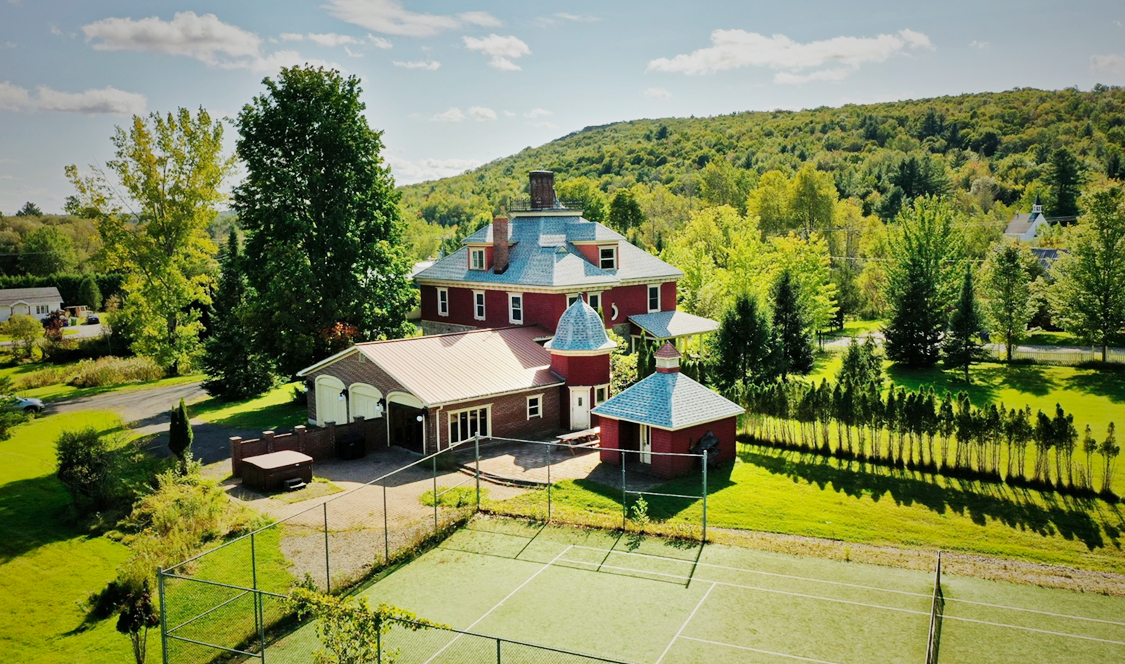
point(542, 190)
point(580, 332)
point(1037, 208)
point(667, 359)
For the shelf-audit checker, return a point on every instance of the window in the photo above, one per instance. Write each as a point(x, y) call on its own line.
point(478, 305)
point(443, 301)
point(42, 308)
point(653, 298)
point(571, 298)
point(535, 406)
point(476, 259)
point(515, 308)
point(464, 424)
point(607, 258)
point(594, 300)
point(601, 394)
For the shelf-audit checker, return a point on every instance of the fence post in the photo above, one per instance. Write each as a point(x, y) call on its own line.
point(548, 482)
point(386, 531)
point(624, 496)
point(379, 644)
point(261, 626)
point(704, 497)
point(476, 452)
point(435, 494)
point(498, 651)
point(253, 563)
point(327, 564)
point(163, 615)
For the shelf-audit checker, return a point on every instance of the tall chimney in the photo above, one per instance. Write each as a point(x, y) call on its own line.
point(542, 190)
point(500, 244)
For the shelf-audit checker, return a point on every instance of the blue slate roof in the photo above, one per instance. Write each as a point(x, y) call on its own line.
point(543, 254)
point(672, 324)
point(670, 401)
point(580, 328)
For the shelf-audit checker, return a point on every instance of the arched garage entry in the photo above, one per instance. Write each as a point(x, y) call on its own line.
point(403, 426)
point(330, 404)
point(364, 401)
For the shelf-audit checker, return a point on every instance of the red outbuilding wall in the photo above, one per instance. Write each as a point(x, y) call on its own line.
point(616, 434)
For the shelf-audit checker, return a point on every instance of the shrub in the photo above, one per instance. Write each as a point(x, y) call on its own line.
point(25, 330)
point(84, 466)
point(68, 351)
point(461, 496)
point(115, 371)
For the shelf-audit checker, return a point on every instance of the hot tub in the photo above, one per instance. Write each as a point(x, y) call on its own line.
point(268, 472)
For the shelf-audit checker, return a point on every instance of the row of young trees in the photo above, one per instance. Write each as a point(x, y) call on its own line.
point(857, 419)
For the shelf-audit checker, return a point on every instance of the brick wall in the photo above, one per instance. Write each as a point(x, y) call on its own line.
point(582, 369)
point(616, 434)
point(318, 443)
point(355, 368)
point(509, 417)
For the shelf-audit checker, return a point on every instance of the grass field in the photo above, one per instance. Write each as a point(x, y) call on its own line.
point(273, 411)
point(658, 602)
point(48, 567)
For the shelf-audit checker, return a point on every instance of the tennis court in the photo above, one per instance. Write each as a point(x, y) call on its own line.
point(649, 601)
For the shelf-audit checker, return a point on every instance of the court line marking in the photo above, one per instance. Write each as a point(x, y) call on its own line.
point(498, 604)
point(764, 652)
point(684, 626)
point(854, 603)
point(860, 586)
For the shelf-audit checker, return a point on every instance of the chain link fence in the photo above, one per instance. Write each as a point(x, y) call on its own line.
point(230, 601)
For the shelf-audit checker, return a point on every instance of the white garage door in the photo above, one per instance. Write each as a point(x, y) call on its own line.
point(330, 407)
point(365, 401)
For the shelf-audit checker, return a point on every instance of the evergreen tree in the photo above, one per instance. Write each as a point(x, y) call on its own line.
point(1109, 450)
point(180, 435)
point(744, 345)
point(962, 347)
point(89, 294)
point(235, 368)
point(794, 343)
point(921, 281)
point(1063, 179)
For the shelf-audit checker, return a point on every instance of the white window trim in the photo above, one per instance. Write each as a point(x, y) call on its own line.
point(612, 248)
point(596, 294)
point(571, 297)
point(449, 422)
point(512, 309)
point(483, 309)
point(603, 386)
point(473, 252)
point(539, 400)
point(443, 311)
point(648, 298)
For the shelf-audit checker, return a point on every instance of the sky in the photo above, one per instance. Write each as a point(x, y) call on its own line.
point(457, 84)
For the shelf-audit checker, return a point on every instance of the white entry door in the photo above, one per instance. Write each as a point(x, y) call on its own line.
point(580, 409)
point(646, 444)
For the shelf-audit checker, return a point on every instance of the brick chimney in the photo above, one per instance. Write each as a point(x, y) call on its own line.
point(542, 190)
point(667, 359)
point(499, 244)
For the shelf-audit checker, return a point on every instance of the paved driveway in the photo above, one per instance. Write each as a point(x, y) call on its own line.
point(147, 413)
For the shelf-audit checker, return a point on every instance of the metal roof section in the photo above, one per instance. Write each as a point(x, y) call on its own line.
point(447, 368)
point(669, 401)
point(580, 329)
point(543, 255)
point(45, 294)
point(673, 324)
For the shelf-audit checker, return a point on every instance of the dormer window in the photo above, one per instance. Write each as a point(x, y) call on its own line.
point(607, 257)
point(476, 259)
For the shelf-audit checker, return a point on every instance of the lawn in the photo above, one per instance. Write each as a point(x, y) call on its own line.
point(652, 600)
point(807, 494)
point(273, 411)
point(48, 567)
point(60, 391)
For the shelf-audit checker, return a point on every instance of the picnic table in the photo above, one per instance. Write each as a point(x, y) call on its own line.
point(580, 438)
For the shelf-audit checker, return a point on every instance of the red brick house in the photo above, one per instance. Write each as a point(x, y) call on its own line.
point(527, 268)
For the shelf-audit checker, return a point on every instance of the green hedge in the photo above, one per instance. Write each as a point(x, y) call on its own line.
point(109, 284)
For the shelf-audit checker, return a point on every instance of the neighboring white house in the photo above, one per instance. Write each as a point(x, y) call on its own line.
point(37, 302)
point(1025, 226)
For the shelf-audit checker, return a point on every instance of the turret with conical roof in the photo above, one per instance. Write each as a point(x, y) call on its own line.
point(580, 355)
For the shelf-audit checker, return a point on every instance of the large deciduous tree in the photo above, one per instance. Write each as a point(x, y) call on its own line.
point(1089, 291)
point(152, 215)
point(320, 212)
point(921, 280)
point(235, 368)
point(1008, 305)
point(624, 212)
point(46, 251)
point(812, 199)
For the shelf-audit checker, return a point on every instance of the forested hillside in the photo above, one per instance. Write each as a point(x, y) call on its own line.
point(992, 152)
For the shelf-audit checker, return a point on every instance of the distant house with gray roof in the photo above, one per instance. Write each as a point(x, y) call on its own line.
point(1025, 226)
point(36, 302)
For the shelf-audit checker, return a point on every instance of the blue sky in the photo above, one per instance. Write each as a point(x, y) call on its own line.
point(457, 84)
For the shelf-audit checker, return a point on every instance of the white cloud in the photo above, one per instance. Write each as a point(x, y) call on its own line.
point(508, 114)
point(979, 44)
point(379, 42)
point(733, 49)
point(292, 36)
point(98, 100)
point(56, 32)
point(502, 49)
point(537, 113)
point(577, 18)
point(204, 38)
point(1109, 63)
point(352, 54)
point(7, 44)
point(544, 124)
point(410, 172)
point(331, 39)
point(789, 78)
point(428, 65)
point(657, 93)
point(482, 114)
point(452, 115)
point(391, 18)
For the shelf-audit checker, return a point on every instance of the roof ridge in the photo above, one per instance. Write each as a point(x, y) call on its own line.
point(449, 334)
